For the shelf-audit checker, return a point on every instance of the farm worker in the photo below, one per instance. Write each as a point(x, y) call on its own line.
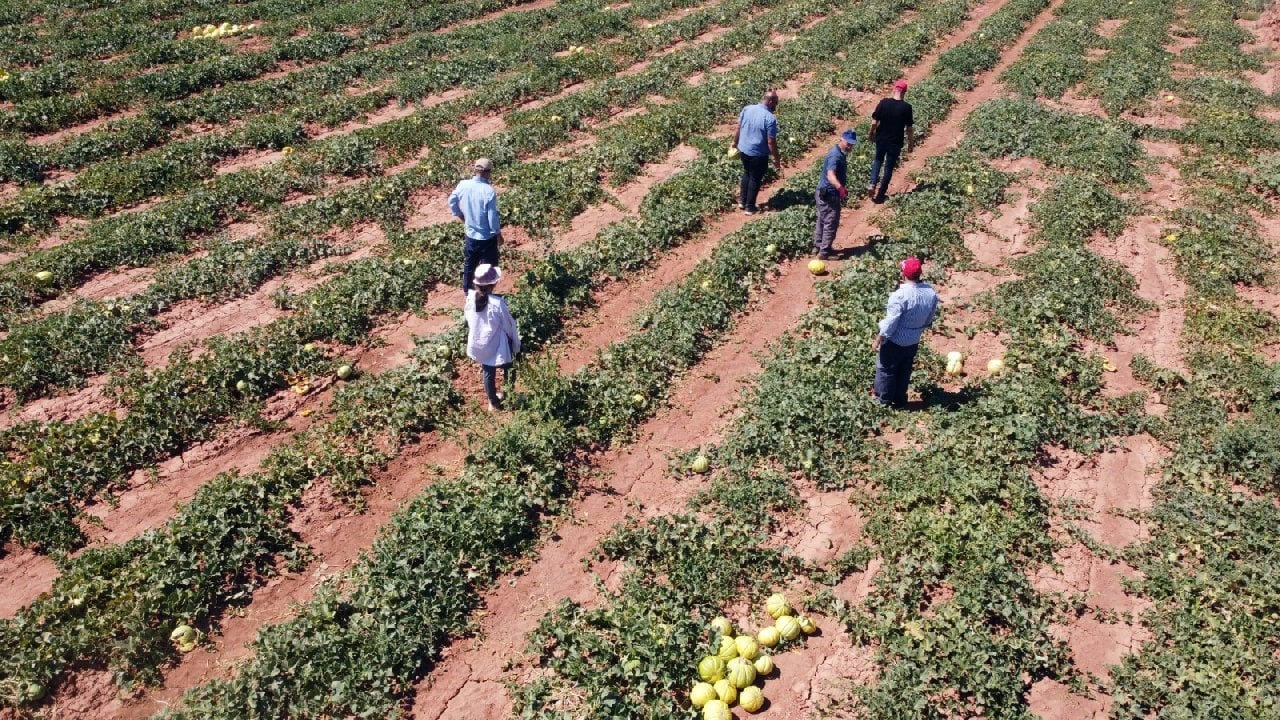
point(891, 119)
point(832, 192)
point(911, 310)
point(493, 340)
point(475, 203)
point(756, 138)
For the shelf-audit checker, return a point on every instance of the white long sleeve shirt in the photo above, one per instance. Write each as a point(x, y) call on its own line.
point(492, 336)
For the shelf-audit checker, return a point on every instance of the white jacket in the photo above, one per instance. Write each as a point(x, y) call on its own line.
point(492, 336)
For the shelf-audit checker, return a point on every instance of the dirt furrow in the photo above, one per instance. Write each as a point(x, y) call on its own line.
point(469, 681)
point(336, 534)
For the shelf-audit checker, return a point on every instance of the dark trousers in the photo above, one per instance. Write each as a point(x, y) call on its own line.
point(488, 374)
point(893, 372)
point(828, 202)
point(886, 157)
point(753, 167)
point(477, 252)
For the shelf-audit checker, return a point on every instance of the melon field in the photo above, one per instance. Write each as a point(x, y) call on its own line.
point(248, 470)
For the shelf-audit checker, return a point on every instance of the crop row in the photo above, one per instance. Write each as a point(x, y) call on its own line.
point(319, 634)
point(146, 34)
point(43, 104)
point(57, 350)
point(46, 487)
point(168, 227)
point(300, 32)
point(924, 504)
point(37, 476)
point(636, 239)
point(416, 588)
point(556, 287)
point(1211, 553)
point(491, 54)
point(1057, 57)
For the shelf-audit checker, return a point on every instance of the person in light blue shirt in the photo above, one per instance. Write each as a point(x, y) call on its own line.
point(756, 138)
point(832, 191)
point(475, 203)
point(910, 312)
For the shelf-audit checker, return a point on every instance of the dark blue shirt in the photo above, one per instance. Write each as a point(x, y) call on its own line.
point(836, 161)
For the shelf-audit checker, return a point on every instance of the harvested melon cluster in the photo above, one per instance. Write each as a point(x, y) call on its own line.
point(742, 661)
point(219, 31)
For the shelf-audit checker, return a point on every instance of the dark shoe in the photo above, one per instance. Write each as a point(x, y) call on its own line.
point(824, 255)
point(748, 211)
point(871, 191)
point(879, 199)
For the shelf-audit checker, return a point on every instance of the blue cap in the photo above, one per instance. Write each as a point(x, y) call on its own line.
point(850, 137)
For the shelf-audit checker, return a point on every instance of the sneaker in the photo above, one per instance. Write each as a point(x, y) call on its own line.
point(879, 199)
point(741, 206)
point(871, 191)
point(824, 255)
point(748, 211)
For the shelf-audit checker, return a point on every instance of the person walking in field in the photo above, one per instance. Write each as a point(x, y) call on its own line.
point(493, 340)
point(832, 192)
point(910, 311)
point(756, 138)
point(890, 122)
point(475, 203)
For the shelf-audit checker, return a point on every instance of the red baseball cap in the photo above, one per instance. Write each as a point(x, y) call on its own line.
point(900, 85)
point(911, 268)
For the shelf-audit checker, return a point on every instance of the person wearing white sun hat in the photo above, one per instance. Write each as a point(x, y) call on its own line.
point(493, 340)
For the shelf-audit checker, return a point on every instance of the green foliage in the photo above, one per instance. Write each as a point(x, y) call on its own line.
point(1213, 23)
point(1265, 170)
point(1208, 571)
point(1056, 58)
point(1074, 208)
point(1017, 127)
point(957, 67)
point(1215, 249)
point(61, 350)
point(1067, 286)
point(1136, 64)
point(117, 604)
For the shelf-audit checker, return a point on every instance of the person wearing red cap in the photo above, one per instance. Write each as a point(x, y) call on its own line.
point(910, 312)
point(890, 122)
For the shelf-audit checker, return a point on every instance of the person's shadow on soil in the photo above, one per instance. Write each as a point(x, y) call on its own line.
point(938, 397)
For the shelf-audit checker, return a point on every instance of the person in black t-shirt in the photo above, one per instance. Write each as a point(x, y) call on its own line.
point(891, 120)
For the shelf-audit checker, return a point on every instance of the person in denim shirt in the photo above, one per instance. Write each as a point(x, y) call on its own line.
point(475, 203)
point(910, 312)
point(756, 138)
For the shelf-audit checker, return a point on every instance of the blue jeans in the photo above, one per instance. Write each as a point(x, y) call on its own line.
point(887, 157)
point(893, 372)
point(488, 374)
point(477, 252)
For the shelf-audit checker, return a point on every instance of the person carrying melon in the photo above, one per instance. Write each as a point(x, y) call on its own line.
point(493, 340)
point(910, 312)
